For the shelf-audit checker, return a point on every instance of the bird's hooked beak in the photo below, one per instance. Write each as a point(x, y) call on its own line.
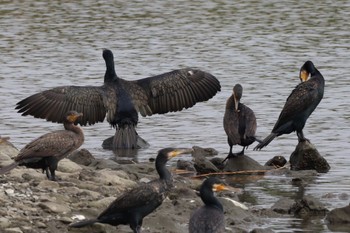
point(220, 187)
point(179, 151)
point(74, 117)
point(236, 102)
point(304, 75)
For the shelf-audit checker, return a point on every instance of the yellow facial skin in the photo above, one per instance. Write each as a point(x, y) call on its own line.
point(220, 187)
point(74, 117)
point(178, 152)
point(304, 75)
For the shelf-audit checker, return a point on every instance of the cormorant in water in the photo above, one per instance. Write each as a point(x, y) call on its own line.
point(210, 217)
point(299, 105)
point(46, 151)
point(239, 122)
point(132, 206)
point(121, 100)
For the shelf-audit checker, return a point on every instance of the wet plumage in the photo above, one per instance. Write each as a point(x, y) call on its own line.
point(299, 105)
point(46, 151)
point(239, 122)
point(210, 217)
point(132, 206)
point(119, 100)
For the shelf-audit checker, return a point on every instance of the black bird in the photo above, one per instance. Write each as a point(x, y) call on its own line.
point(210, 217)
point(121, 100)
point(132, 206)
point(46, 151)
point(239, 122)
point(299, 105)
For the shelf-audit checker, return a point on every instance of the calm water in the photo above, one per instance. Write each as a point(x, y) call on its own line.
point(260, 44)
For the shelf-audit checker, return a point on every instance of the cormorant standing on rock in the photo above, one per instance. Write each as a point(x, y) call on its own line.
point(120, 100)
point(299, 105)
point(210, 217)
point(46, 151)
point(239, 122)
point(132, 206)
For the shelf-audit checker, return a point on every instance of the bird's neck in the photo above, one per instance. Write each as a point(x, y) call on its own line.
point(74, 128)
point(163, 172)
point(210, 200)
point(110, 74)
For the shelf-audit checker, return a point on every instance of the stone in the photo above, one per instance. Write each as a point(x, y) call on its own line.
point(242, 163)
point(185, 165)
point(54, 207)
point(276, 162)
point(68, 166)
point(204, 151)
point(4, 222)
point(82, 157)
point(202, 164)
point(306, 157)
point(13, 230)
point(283, 205)
point(339, 215)
point(7, 149)
point(308, 206)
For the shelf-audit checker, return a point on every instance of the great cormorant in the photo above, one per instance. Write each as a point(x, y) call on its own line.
point(46, 151)
point(132, 206)
point(239, 122)
point(210, 217)
point(120, 100)
point(299, 105)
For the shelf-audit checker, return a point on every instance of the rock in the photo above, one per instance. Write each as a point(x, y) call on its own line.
point(308, 206)
point(111, 177)
point(82, 157)
point(204, 151)
point(105, 163)
point(277, 161)
point(4, 222)
point(218, 163)
point(203, 165)
point(185, 165)
point(339, 215)
point(48, 184)
point(306, 157)
point(54, 207)
point(7, 149)
point(13, 230)
point(283, 205)
point(242, 163)
point(68, 166)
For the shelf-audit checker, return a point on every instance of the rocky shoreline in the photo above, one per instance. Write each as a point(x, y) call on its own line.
point(31, 203)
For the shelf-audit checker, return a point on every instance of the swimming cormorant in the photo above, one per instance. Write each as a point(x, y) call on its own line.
point(46, 151)
point(132, 206)
point(239, 122)
point(299, 105)
point(120, 100)
point(210, 217)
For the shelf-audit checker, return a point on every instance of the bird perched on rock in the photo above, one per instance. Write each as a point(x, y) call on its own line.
point(210, 217)
point(120, 100)
point(239, 122)
point(46, 151)
point(132, 206)
point(299, 105)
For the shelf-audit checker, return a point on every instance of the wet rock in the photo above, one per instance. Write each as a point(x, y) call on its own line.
point(283, 205)
point(277, 161)
point(203, 165)
point(68, 166)
point(82, 157)
point(306, 157)
point(218, 163)
point(185, 165)
point(339, 215)
point(308, 206)
point(261, 230)
point(242, 163)
point(204, 151)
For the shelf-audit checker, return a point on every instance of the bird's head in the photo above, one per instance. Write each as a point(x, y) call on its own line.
point(72, 116)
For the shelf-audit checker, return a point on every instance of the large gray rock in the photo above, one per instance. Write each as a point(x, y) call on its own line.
point(242, 163)
point(308, 206)
point(306, 157)
point(339, 215)
point(82, 157)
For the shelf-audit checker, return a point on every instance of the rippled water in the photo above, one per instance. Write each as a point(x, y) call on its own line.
point(260, 44)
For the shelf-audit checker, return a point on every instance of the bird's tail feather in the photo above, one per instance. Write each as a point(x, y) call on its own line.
point(8, 168)
point(266, 141)
point(125, 137)
point(83, 223)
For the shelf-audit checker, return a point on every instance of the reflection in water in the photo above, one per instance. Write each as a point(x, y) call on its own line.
point(260, 44)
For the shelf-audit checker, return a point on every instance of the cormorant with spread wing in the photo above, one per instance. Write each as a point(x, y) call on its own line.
point(120, 100)
point(299, 105)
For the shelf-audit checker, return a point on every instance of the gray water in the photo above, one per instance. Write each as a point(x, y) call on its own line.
point(260, 44)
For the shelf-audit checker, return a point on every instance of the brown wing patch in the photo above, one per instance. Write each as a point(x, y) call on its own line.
point(178, 89)
point(54, 103)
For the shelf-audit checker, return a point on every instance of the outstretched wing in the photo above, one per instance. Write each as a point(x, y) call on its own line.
point(178, 89)
point(54, 103)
